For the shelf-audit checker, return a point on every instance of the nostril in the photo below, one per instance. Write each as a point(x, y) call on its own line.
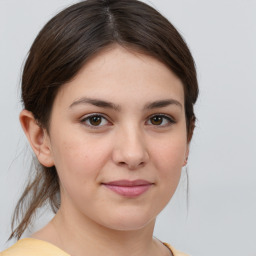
point(142, 164)
point(131, 166)
point(122, 163)
point(130, 157)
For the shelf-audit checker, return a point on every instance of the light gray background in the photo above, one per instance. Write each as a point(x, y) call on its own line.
point(221, 34)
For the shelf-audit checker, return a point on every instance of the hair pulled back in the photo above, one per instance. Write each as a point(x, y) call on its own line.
point(61, 49)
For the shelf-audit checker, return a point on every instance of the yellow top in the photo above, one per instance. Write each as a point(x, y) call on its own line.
point(173, 250)
point(32, 247)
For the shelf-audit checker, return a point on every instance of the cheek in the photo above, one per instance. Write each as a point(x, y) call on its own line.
point(169, 156)
point(168, 159)
point(77, 168)
point(78, 157)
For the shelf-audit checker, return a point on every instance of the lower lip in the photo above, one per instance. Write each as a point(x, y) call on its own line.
point(131, 191)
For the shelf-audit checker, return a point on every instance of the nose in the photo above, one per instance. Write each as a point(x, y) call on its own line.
point(130, 149)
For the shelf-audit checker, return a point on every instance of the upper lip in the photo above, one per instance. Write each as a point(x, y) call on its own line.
point(128, 183)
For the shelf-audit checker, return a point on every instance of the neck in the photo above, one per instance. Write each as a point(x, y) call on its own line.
point(77, 237)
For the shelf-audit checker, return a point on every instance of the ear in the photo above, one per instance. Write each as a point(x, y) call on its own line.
point(189, 137)
point(191, 128)
point(186, 156)
point(38, 138)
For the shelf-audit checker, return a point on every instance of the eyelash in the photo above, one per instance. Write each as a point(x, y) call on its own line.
point(167, 118)
point(97, 115)
point(163, 117)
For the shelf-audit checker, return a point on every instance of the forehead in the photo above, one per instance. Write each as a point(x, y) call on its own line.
point(118, 73)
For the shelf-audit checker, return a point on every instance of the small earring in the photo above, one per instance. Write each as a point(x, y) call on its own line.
point(186, 161)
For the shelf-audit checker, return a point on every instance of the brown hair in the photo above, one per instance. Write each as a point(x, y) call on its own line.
point(63, 46)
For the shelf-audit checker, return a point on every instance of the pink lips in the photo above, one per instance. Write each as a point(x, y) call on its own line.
point(129, 188)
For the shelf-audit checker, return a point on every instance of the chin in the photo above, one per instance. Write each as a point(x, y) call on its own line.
point(129, 222)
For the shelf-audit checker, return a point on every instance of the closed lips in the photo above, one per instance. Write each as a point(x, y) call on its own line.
point(128, 183)
point(128, 188)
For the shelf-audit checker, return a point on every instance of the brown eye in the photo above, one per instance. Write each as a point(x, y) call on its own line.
point(156, 120)
point(95, 120)
point(160, 120)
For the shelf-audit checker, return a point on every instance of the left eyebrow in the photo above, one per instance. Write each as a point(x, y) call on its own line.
point(95, 102)
point(162, 104)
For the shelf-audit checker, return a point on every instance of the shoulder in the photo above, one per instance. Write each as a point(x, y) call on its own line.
point(174, 251)
point(32, 247)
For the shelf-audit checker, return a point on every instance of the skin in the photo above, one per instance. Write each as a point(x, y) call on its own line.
point(130, 140)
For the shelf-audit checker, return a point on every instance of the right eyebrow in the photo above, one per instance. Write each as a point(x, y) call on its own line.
point(96, 102)
point(163, 103)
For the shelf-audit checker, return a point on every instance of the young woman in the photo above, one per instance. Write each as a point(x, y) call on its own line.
point(108, 91)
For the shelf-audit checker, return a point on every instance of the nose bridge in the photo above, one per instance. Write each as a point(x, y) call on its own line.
point(130, 147)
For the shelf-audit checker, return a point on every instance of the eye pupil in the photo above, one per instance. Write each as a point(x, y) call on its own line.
point(156, 120)
point(95, 120)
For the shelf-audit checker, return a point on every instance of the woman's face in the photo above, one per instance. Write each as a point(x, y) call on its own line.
point(118, 139)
